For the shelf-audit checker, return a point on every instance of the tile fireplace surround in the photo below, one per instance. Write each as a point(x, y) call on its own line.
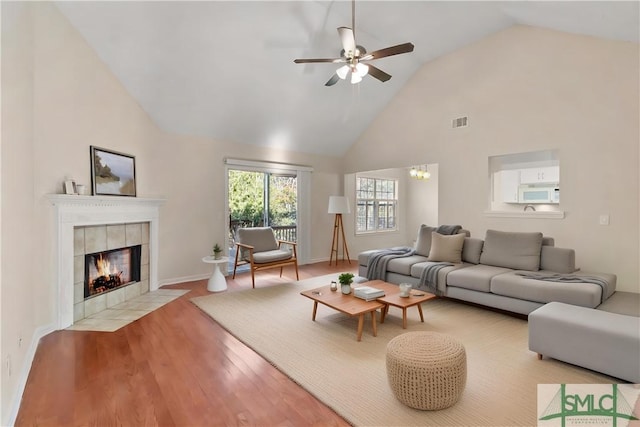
point(121, 216)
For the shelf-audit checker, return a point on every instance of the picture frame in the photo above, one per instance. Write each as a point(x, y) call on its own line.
point(69, 187)
point(112, 173)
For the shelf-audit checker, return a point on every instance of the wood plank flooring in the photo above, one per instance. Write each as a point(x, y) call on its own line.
point(174, 367)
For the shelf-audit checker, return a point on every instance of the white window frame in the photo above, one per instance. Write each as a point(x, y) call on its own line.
point(376, 201)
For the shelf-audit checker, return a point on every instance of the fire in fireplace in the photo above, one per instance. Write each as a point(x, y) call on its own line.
point(109, 270)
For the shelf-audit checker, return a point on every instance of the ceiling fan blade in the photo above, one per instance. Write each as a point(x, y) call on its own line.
point(388, 51)
point(306, 61)
point(348, 41)
point(378, 73)
point(333, 80)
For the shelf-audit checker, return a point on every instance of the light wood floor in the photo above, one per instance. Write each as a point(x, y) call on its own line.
point(174, 367)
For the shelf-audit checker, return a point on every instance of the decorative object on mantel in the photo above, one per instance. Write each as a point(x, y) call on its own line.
point(69, 186)
point(217, 251)
point(419, 172)
point(112, 173)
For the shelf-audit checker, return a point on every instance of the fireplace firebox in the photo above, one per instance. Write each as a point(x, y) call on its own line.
point(109, 270)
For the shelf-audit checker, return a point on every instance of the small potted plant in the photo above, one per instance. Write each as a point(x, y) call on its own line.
point(345, 280)
point(217, 251)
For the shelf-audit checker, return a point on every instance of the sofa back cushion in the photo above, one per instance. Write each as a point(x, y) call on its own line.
point(517, 250)
point(471, 250)
point(446, 248)
point(423, 243)
point(559, 260)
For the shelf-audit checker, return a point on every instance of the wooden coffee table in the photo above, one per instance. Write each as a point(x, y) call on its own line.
point(347, 304)
point(392, 297)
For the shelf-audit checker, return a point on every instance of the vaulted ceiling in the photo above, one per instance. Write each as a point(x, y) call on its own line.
point(224, 69)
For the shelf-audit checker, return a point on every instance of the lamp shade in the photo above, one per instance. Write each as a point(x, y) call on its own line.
point(339, 205)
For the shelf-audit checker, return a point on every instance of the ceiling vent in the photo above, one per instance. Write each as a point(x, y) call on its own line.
point(460, 122)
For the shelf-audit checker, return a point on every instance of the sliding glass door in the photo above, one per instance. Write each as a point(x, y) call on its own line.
point(262, 199)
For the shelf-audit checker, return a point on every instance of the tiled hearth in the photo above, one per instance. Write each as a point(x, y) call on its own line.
point(119, 315)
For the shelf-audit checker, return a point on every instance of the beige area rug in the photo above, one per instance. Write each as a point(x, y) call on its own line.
point(350, 377)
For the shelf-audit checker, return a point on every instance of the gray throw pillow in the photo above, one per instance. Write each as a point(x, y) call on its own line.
point(471, 250)
point(423, 243)
point(446, 248)
point(517, 250)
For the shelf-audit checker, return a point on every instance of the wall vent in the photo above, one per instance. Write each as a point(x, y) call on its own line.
point(460, 122)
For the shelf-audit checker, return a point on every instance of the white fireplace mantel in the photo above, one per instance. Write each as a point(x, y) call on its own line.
point(76, 211)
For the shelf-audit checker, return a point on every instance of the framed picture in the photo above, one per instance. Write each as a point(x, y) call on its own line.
point(112, 173)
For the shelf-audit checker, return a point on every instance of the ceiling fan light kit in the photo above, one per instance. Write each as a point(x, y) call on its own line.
point(353, 56)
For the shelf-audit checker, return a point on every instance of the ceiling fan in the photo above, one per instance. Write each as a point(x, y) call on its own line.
point(354, 56)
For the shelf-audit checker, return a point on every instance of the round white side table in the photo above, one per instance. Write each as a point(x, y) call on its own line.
point(217, 283)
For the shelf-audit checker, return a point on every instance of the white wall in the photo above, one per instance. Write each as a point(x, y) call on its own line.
point(422, 202)
point(528, 89)
point(418, 204)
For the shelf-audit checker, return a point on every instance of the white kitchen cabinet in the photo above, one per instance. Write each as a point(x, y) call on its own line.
point(509, 182)
point(544, 175)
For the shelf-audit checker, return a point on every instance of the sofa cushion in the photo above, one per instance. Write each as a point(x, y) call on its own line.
point(423, 243)
point(560, 260)
point(517, 250)
point(446, 248)
point(471, 250)
point(403, 265)
point(476, 277)
point(515, 286)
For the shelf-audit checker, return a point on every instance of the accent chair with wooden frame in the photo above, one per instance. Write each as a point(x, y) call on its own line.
point(259, 247)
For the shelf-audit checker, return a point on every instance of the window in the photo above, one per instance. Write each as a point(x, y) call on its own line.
point(377, 201)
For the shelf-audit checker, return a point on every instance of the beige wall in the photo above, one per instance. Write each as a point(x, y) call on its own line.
point(17, 196)
point(58, 99)
point(527, 89)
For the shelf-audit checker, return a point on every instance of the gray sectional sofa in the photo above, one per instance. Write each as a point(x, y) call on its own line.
point(513, 271)
point(525, 273)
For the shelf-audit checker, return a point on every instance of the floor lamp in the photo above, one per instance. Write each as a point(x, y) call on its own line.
point(338, 205)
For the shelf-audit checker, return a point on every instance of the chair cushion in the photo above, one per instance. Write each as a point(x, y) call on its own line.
point(261, 238)
point(271, 256)
point(517, 250)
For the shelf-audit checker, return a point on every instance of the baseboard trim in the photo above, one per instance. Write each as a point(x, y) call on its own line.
point(24, 372)
point(184, 279)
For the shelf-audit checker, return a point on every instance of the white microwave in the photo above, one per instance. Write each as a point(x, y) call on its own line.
point(540, 194)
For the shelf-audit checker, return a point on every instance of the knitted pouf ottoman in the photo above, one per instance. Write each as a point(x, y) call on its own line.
point(426, 370)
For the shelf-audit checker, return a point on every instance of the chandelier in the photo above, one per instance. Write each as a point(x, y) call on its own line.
point(419, 172)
